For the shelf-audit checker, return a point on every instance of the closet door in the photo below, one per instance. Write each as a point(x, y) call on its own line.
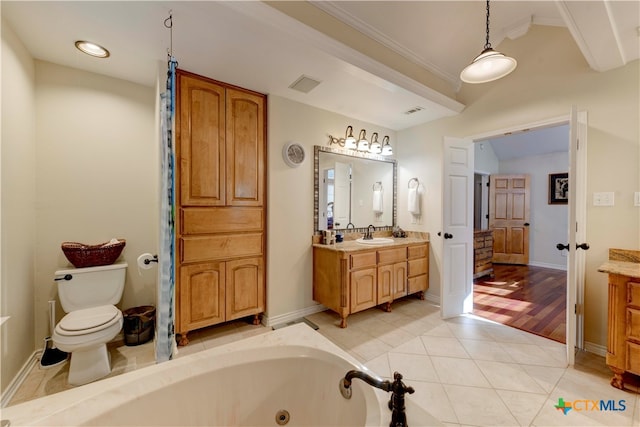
point(201, 136)
point(245, 145)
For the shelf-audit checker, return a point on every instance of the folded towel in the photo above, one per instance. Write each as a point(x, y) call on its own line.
point(414, 201)
point(377, 201)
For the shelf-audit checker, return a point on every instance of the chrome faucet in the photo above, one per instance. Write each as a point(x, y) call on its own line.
point(397, 388)
point(352, 226)
point(368, 235)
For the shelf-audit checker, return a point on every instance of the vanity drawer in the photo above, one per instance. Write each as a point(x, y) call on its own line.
point(417, 284)
point(417, 267)
point(363, 259)
point(220, 220)
point(633, 294)
point(633, 358)
point(633, 324)
point(418, 251)
point(216, 247)
point(389, 256)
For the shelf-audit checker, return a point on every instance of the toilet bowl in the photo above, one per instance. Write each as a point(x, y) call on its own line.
point(85, 333)
point(88, 296)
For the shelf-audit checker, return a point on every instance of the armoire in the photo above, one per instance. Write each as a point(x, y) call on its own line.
point(220, 203)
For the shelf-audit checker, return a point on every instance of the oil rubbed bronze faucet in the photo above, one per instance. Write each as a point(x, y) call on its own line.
point(368, 235)
point(397, 388)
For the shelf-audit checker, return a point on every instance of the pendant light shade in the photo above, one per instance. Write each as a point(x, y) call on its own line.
point(489, 65)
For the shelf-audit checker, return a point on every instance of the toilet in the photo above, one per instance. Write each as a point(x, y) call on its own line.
point(88, 296)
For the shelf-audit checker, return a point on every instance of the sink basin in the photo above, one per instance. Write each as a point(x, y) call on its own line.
point(375, 241)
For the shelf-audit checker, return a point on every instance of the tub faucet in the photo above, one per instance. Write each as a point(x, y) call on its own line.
point(397, 388)
point(368, 235)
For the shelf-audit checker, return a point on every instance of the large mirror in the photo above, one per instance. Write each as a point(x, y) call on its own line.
point(353, 188)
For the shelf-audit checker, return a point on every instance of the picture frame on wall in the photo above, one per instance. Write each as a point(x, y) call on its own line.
point(558, 188)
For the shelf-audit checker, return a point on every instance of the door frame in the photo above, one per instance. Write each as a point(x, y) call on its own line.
point(580, 203)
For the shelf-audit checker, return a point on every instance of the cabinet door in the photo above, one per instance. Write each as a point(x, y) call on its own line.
point(201, 295)
point(400, 279)
point(201, 142)
point(245, 287)
point(363, 289)
point(245, 145)
point(385, 283)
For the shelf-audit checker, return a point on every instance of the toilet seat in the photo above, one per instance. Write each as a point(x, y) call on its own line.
point(88, 320)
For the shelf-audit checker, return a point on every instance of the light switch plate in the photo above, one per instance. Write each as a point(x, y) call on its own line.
point(604, 198)
point(636, 198)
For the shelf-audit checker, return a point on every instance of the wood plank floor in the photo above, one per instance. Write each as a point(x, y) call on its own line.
point(529, 298)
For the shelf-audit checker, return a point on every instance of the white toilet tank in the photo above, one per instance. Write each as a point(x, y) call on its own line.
point(80, 288)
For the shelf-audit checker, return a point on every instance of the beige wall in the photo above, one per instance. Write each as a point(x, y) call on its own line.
point(97, 176)
point(290, 199)
point(551, 76)
point(18, 197)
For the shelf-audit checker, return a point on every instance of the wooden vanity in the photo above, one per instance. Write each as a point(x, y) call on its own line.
point(349, 277)
point(623, 329)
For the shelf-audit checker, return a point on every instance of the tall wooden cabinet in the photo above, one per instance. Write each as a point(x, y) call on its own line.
point(221, 209)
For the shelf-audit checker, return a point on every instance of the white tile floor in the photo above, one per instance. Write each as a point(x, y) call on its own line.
point(466, 371)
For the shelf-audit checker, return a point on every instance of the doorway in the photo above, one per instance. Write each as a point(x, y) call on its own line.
point(513, 290)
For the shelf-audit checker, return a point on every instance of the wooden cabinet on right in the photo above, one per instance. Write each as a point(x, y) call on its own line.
point(623, 326)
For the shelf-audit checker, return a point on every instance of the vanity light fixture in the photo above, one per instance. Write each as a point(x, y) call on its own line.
point(363, 144)
point(387, 150)
point(348, 141)
point(92, 49)
point(375, 147)
point(489, 65)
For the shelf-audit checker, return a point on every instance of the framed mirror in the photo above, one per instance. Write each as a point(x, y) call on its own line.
point(353, 188)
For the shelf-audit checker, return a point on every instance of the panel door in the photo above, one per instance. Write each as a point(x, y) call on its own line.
point(200, 141)
point(363, 289)
point(201, 295)
point(245, 148)
point(385, 283)
point(245, 287)
point(400, 279)
point(509, 218)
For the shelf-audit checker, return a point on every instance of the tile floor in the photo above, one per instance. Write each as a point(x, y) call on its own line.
point(466, 371)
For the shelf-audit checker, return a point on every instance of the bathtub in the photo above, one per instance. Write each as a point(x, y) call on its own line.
point(285, 377)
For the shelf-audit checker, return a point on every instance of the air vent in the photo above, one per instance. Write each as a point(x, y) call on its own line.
point(304, 84)
point(414, 110)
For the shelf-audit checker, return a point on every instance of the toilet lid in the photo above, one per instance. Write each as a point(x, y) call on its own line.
point(88, 318)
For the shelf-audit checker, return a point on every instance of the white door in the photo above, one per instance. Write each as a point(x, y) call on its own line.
point(457, 227)
point(577, 225)
point(342, 195)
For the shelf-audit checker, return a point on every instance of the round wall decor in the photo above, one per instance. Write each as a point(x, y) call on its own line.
point(293, 154)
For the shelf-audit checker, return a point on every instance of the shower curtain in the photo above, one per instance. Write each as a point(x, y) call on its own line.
point(165, 341)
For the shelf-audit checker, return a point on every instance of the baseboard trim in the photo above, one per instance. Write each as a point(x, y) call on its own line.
point(293, 315)
point(20, 377)
point(435, 299)
point(598, 349)
point(546, 265)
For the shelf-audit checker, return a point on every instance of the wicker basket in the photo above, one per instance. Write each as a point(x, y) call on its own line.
point(81, 255)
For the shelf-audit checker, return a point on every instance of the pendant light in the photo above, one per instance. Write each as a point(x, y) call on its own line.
point(363, 144)
point(375, 147)
point(387, 150)
point(489, 65)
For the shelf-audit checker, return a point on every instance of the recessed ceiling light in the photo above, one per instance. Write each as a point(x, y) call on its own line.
point(92, 49)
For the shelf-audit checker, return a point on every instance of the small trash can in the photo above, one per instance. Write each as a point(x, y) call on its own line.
point(139, 324)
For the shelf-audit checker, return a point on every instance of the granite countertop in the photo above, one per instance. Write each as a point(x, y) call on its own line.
point(622, 261)
point(625, 268)
point(353, 246)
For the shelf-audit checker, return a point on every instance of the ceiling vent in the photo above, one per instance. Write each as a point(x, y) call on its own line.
point(304, 84)
point(414, 110)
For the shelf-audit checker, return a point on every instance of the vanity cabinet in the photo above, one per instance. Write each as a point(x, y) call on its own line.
point(623, 326)
point(220, 186)
point(349, 277)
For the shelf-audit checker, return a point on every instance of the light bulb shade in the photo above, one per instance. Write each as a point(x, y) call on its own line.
point(350, 141)
point(92, 49)
point(387, 150)
point(375, 147)
point(363, 144)
point(488, 66)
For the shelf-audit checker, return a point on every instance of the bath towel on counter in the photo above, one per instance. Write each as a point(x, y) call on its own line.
point(377, 202)
point(414, 201)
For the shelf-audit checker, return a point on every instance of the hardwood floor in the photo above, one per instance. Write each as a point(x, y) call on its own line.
point(529, 298)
